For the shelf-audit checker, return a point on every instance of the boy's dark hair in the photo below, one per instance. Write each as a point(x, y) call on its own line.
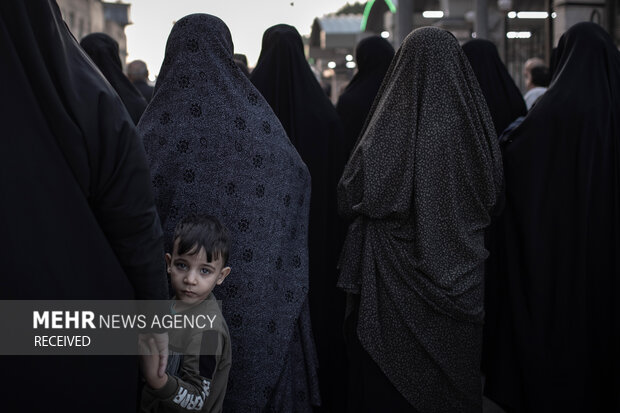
point(197, 231)
point(540, 76)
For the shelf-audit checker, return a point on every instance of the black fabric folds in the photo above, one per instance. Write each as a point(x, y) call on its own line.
point(373, 55)
point(215, 146)
point(500, 92)
point(103, 50)
point(419, 187)
point(78, 219)
point(285, 79)
point(145, 89)
point(556, 343)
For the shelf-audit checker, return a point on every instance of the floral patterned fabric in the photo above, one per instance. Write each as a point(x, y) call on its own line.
point(216, 147)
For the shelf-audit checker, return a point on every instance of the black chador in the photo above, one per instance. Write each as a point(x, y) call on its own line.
point(373, 55)
point(285, 79)
point(554, 342)
point(77, 217)
point(103, 50)
point(500, 92)
point(419, 187)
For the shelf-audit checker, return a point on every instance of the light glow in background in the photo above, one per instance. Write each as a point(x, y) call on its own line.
point(247, 20)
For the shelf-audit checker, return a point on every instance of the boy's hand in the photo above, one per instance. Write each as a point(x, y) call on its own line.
point(161, 342)
point(153, 349)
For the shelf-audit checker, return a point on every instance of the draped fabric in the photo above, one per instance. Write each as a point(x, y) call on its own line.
point(78, 219)
point(556, 343)
point(103, 50)
point(500, 92)
point(285, 79)
point(144, 88)
point(216, 147)
point(373, 55)
point(418, 187)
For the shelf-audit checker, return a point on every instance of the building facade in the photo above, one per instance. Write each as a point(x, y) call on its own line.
point(91, 16)
point(520, 29)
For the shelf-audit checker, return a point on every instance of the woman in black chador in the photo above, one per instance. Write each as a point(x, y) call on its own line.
point(373, 55)
point(78, 218)
point(215, 146)
point(419, 187)
point(500, 92)
point(285, 79)
point(556, 343)
point(103, 50)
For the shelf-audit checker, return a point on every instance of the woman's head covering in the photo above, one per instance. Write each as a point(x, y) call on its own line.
point(216, 147)
point(78, 219)
point(500, 92)
point(103, 50)
point(373, 55)
point(555, 345)
point(419, 186)
point(285, 79)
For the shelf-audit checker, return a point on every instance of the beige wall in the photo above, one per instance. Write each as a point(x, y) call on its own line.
point(86, 16)
point(82, 16)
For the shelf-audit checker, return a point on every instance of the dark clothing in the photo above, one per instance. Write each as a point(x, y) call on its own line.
point(515, 124)
point(79, 219)
point(216, 147)
point(103, 50)
point(369, 390)
point(145, 89)
point(243, 67)
point(285, 79)
point(555, 345)
point(506, 106)
point(419, 187)
point(374, 55)
point(500, 92)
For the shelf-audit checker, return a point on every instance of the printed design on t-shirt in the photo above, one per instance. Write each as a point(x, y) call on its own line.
point(190, 401)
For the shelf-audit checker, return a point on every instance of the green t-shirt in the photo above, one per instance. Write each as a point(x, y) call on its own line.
point(198, 365)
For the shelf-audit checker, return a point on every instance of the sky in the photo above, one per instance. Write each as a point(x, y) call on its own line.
point(246, 19)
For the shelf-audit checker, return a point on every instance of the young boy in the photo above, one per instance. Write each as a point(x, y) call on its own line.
point(199, 360)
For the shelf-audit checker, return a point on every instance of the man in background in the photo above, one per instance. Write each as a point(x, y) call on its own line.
point(537, 78)
point(138, 74)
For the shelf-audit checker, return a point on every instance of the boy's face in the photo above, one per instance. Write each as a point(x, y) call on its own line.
point(193, 278)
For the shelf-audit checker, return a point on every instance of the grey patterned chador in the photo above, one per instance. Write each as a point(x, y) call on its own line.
point(216, 147)
point(419, 187)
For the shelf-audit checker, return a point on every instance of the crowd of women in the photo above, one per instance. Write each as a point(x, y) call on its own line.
point(360, 233)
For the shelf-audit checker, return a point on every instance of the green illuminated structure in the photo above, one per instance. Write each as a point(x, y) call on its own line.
point(369, 5)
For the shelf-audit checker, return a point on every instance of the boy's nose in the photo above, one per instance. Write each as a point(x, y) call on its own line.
point(191, 278)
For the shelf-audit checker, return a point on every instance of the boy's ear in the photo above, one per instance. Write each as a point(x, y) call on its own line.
point(223, 274)
point(168, 262)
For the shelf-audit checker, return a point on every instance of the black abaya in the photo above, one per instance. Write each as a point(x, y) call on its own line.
point(500, 92)
point(103, 50)
point(373, 55)
point(78, 219)
point(285, 79)
point(556, 345)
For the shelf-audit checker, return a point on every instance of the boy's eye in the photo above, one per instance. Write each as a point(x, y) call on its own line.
point(204, 271)
point(181, 265)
